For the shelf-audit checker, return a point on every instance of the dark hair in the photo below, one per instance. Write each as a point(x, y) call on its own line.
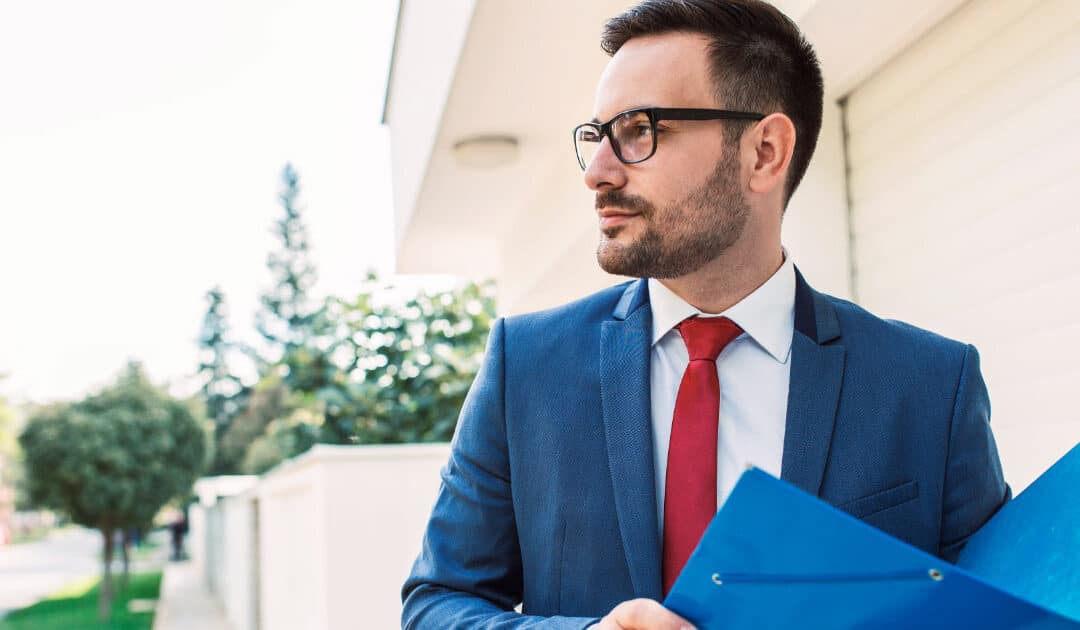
point(760, 61)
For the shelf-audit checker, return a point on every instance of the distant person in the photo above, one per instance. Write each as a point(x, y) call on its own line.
point(600, 437)
point(178, 528)
point(135, 536)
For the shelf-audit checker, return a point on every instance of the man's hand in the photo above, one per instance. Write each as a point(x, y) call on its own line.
point(642, 614)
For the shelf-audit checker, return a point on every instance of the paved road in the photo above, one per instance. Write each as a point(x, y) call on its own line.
point(31, 571)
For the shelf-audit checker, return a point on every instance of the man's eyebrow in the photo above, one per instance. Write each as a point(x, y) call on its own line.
point(596, 121)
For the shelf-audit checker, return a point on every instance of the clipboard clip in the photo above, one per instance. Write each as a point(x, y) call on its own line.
point(720, 579)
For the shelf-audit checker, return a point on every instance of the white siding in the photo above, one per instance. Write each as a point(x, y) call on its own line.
point(963, 157)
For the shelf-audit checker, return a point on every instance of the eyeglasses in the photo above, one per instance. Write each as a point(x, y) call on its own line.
point(633, 133)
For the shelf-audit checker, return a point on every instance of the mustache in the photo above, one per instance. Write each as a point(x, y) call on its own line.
point(619, 199)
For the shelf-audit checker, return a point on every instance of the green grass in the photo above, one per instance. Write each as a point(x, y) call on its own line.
point(75, 607)
point(148, 549)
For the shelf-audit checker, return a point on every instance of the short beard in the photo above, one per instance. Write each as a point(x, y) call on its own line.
point(685, 236)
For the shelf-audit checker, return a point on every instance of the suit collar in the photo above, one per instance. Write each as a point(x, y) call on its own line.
point(815, 317)
point(817, 372)
point(766, 314)
point(635, 295)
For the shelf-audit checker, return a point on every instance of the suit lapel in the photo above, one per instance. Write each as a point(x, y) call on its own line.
point(817, 371)
point(624, 391)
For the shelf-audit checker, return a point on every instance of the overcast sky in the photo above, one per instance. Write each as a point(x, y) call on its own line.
point(140, 147)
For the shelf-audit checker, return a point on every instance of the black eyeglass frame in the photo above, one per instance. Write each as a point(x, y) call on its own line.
point(656, 114)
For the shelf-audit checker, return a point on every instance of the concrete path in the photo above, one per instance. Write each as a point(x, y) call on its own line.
point(185, 602)
point(31, 571)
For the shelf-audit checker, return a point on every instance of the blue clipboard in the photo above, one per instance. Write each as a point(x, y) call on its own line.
point(776, 557)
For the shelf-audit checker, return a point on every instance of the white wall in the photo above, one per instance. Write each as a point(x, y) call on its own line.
point(379, 501)
point(222, 546)
point(339, 528)
point(237, 590)
point(292, 549)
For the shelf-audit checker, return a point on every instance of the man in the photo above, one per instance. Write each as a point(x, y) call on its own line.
point(600, 437)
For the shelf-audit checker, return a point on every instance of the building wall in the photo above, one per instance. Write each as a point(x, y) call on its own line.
point(378, 503)
point(238, 591)
point(323, 542)
point(292, 549)
point(963, 163)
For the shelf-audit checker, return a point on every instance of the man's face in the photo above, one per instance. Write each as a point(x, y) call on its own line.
point(673, 213)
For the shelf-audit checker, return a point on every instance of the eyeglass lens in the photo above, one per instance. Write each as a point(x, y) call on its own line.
point(632, 137)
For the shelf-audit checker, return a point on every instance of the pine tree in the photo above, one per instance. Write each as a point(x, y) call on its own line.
point(286, 314)
point(222, 391)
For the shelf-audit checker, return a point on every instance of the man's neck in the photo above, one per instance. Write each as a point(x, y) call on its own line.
point(727, 279)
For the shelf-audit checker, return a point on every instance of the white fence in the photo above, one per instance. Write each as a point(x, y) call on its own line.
point(321, 542)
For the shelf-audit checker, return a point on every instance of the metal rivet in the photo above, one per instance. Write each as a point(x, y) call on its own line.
point(716, 579)
point(936, 575)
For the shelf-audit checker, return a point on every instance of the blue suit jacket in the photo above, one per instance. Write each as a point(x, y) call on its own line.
point(548, 499)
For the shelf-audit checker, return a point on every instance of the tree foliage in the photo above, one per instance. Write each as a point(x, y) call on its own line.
point(222, 391)
point(11, 478)
point(382, 366)
point(270, 400)
point(392, 367)
point(285, 317)
point(402, 368)
point(113, 459)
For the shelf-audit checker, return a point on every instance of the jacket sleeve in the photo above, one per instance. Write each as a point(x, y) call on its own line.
point(468, 574)
point(975, 487)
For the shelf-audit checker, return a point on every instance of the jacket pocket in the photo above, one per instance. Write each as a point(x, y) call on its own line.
point(874, 503)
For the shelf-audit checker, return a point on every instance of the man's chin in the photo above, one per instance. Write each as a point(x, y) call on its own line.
point(612, 258)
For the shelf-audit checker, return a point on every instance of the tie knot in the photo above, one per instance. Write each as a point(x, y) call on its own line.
point(706, 337)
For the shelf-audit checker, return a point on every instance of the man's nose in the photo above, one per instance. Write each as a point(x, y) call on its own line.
point(605, 171)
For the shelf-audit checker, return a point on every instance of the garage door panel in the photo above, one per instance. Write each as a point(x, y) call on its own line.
point(1004, 67)
point(971, 144)
point(1039, 175)
point(967, 229)
point(937, 283)
point(1024, 448)
point(964, 31)
point(963, 173)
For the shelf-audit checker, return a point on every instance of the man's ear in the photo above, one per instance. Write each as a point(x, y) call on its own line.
point(770, 145)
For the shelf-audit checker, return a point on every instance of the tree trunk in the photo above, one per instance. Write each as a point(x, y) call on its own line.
point(105, 591)
point(124, 547)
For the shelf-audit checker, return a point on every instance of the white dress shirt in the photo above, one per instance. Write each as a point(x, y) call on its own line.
point(754, 372)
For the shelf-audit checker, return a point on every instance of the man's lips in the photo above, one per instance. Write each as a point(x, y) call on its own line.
point(611, 218)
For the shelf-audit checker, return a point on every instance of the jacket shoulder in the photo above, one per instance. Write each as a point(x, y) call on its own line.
point(592, 308)
point(859, 325)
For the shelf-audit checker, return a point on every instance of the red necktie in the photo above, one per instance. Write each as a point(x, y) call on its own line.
point(690, 487)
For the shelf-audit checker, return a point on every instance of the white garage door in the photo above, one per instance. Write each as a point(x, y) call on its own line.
point(965, 167)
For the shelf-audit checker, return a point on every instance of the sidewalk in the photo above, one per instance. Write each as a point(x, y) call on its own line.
point(185, 603)
point(34, 570)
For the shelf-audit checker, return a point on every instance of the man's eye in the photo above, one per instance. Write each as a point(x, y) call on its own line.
point(643, 130)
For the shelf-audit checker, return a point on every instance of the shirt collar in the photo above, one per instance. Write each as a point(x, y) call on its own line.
point(767, 314)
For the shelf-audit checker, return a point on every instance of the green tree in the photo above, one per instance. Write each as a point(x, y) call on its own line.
point(286, 314)
point(404, 366)
point(113, 459)
point(10, 469)
point(394, 367)
point(223, 392)
point(270, 400)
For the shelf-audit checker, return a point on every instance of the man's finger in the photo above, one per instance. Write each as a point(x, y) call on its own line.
point(647, 614)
